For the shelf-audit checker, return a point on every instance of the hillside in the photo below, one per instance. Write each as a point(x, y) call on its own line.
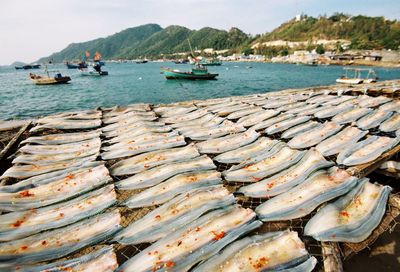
point(151, 41)
point(363, 32)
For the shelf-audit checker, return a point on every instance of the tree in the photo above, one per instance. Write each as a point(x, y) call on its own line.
point(284, 51)
point(320, 49)
point(247, 51)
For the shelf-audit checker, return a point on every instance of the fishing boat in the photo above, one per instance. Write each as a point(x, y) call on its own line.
point(58, 78)
point(198, 73)
point(357, 76)
point(85, 72)
point(28, 66)
point(181, 61)
point(142, 61)
point(204, 62)
point(79, 65)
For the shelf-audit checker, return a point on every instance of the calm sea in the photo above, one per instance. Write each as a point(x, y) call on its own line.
point(132, 83)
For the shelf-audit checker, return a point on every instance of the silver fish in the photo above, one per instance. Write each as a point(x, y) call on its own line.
point(160, 173)
point(184, 117)
point(30, 170)
point(140, 139)
point(148, 160)
point(63, 188)
point(366, 101)
point(215, 132)
point(60, 242)
point(141, 115)
point(374, 119)
point(174, 214)
point(244, 153)
point(367, 150)
point(392, 124)
point(283, 181)
point(351, 115)
point(194, 242)
point(46, 178)
point(271, 121)
point(293, 131)
point(168, 111)
point(244, 112)
point(391, 106)
point(351, 218)
point(93, 144)
point(103, 260)
point(255, 118)
point(273, 251)
point(301, 200)
point(334, 144)
point(314, 136)
point(170, 188)
point(16, 225)
point(173, 141)
point(227, 143)
point(286, 124)
point(62, 138)
point(67, 124)
point(329, 111)
point(273, 163)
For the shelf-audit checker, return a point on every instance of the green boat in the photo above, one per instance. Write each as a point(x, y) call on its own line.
point(213, 62)
point(198, 73)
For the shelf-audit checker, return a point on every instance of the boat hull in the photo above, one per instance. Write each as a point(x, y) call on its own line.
point(51, 81)
point(92, 73)
point(349, 80)
point(170, 74)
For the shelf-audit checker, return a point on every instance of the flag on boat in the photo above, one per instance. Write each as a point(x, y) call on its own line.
point(97, 56)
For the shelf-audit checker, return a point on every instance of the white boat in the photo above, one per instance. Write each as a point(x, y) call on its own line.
point(357, 78)
point(93, 73)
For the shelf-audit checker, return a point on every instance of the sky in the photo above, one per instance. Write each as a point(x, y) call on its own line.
point(33, 29)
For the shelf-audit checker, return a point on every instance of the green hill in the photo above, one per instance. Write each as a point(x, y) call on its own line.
point(363, 32)
point(151, 41)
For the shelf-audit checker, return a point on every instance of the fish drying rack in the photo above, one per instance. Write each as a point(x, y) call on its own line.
point(329, 254)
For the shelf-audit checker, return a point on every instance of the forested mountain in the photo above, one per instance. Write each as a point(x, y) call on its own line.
point(152, 40)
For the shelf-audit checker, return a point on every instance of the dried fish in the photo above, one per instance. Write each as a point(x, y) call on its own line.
point(351, 218)
point(103, 260)
point(281, 182)
point(271, 121)
point(62, 138)
point(374, 119)
point(16, 225)
point(273, 251)
point(184, 117)
point(160, 173)
point(227, 143)
point(392, 124)
point(367, 150)
point(329, 111)
point(351, 115)
point(244, 153)
point(294, 131)
point(170, 188)
point(65, 187)
point(274, 162)
point(67, 124)
point(286, 124)
point(174, 214)
point(148, 160)
point(210, 133)
point(255, 118)
point(334, 144)
point(60, 242)
point(194, 242)
point(244, 112)
point(301, 200)
point(131, 150)
point(314, 136)
point(92, 144)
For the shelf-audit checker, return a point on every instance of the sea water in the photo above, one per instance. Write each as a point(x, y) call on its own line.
point(129, 83)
